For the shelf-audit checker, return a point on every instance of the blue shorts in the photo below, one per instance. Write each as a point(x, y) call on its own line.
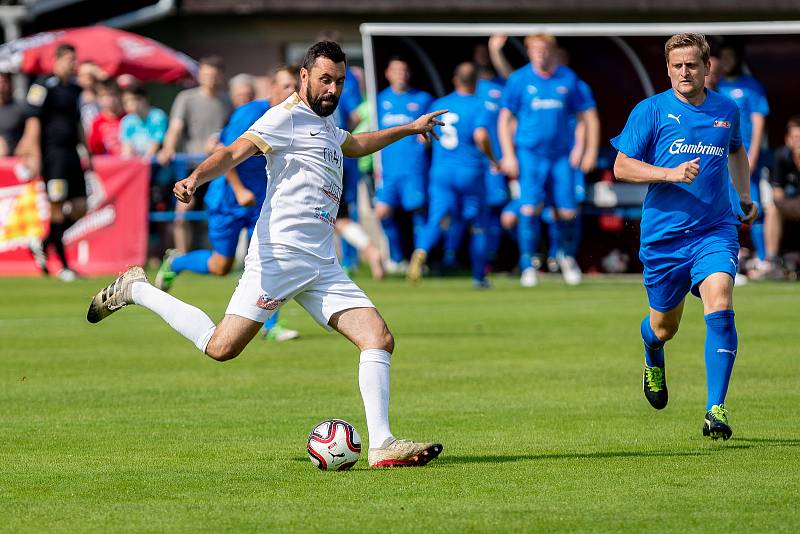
point(542, 178)
point(224, 229)
point(398, 191)
point(677, 266)
point(496, 188)
point(461, 196)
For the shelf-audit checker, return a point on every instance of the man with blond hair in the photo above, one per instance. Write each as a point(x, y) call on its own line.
point(683, 143)
point(536, 135)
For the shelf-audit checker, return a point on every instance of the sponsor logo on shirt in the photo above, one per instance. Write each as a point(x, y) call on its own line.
point(265, 302)
point(722, 124)
point(332, 156)
point(324, 215)
point(546, 103)
point(395, 119)
point(333, 192)
point(679, 146)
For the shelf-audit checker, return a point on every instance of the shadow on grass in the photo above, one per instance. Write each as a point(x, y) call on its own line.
point(775, 442)
point(490, 459)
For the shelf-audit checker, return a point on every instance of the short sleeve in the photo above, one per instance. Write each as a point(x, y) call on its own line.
point(584, 99)
point(158, 126)
point(759, 102)
point(511, 95)
point(179, 107)
point(35, 99)
point(273, 132)
point(125, 129)
point(343, 137)
point(487, 112)
point(638, 133)
point(736, 131)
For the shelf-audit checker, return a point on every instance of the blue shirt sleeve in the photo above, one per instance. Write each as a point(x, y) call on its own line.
point(158, 126)
point(584, 96)
point(511, 95)
point(758, 99)
point(638, 133)
point(736, 131)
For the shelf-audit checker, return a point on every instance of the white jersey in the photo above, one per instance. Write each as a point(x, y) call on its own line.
point(304, 188)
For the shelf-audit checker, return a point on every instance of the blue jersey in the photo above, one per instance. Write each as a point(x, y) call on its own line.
point(543, 106)
point(252, 171)
point(665, 131)
point(456, 148)
point(491, 93)
point(587, 97)
point(408, 155)
point(749, 95)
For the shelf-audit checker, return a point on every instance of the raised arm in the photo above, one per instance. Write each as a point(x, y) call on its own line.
point(632, 170)
point(739, 169)
point(366, 143)
point(499, 61)
point(217, 164)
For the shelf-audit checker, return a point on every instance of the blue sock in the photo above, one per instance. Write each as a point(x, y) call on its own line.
point(653, 347)
point(721, 346)
point(567, 230)
point(477, 253)
point(452, 242)
point(349, 255)
point(554, 237)
point(393, 237)
point(195, 261)
point(528, 235)
point(418, 222)
point(493, 233)
point(272, 321)
point(757, 236)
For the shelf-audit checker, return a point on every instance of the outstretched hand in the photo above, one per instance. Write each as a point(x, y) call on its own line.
point(425, 124)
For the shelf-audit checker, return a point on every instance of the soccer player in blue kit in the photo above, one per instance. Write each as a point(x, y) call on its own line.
point(680, 142)
point(457, 187)
point(234, 203)
point(751, 98)
point(535, 136)
point(404, 164)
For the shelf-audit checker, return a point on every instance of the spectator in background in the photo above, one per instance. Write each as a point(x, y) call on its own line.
point(197, 116)
point(241, 89)
point(104, 135)
point(404, 164)
point(89, 73)
point(785, 181)
point(751, 99)
point(12, 117)
point(143, 127)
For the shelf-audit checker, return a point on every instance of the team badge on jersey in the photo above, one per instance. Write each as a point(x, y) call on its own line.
point(412, 106)
point(722, 124)
point(562, 89)
point(265, 302)
point(36, 95)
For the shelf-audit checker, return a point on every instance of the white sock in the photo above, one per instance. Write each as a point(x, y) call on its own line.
point(355, 234)
point(190, 322)
point(373, 379)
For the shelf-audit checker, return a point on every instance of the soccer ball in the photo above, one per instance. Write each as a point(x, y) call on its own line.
point(334, 444)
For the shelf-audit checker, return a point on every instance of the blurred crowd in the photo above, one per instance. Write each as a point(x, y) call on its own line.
point(421, 224)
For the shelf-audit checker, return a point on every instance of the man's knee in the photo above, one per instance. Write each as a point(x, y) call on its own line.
point(382, 339)
point(528, 210)
point(221, 351)
point(567, 214)
point(220, 265)
point(508, 220)
point(666, 330)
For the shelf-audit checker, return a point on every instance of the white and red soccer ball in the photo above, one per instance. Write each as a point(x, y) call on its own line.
point(334, 445)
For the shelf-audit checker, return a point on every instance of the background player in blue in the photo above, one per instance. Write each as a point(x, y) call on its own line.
point(535, 136)
point(234, 203)
point(404, 164)
point(457, 187)
point(680, 142)
point(751, 98)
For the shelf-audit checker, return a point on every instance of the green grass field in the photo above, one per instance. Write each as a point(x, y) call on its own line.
point(536, 395)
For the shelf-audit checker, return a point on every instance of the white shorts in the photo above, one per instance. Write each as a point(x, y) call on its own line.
point(319, 286)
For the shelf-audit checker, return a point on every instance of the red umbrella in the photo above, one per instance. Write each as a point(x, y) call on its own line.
point(115, 51)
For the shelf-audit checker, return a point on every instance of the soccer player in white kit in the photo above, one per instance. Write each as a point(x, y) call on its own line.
point(291, 254)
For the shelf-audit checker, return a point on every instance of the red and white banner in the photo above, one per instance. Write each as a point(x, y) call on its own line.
point(106, 240)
